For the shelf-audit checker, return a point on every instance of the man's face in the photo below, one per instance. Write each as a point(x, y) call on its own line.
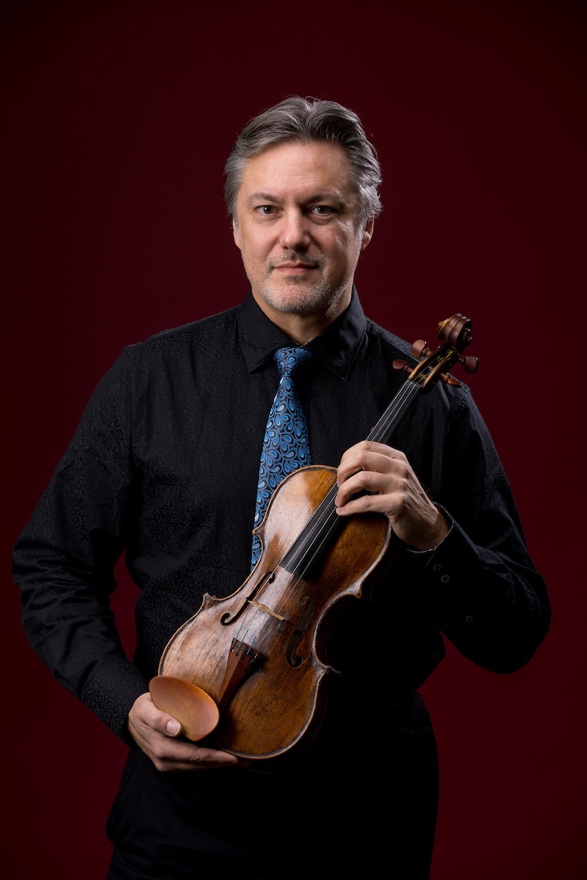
point(297, 226)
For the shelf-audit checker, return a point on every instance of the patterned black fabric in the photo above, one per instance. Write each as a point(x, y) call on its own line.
point(163, 468)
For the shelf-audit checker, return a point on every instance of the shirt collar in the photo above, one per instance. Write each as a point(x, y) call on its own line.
point(336, 348)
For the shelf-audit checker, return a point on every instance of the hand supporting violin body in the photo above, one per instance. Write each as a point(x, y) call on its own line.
point(393, 489)
point(158, 735)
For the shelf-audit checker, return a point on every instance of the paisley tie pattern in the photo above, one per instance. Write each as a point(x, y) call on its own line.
point(285, 446)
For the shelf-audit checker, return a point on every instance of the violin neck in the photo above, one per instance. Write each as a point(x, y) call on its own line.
point(389, 421)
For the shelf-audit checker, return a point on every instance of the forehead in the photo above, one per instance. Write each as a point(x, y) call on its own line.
point(298, 170)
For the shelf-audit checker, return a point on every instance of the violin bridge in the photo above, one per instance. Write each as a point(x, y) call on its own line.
point(242, 661)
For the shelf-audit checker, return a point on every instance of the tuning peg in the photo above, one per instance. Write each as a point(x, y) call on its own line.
point(470, 364)
point(398, 364)
point(420, 348)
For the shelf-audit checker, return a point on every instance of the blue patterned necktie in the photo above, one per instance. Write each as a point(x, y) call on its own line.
point(285, 446)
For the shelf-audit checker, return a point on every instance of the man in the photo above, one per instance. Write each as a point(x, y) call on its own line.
point(164, 467)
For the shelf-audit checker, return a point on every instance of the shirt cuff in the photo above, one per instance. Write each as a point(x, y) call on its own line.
point(426, 555)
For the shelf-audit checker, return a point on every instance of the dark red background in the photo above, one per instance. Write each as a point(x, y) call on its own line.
point(120, 116)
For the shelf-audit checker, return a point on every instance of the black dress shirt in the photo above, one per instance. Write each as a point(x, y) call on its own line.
point(163, 467)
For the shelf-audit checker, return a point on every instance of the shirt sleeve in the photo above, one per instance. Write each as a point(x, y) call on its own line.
point(63, 562)
point(487, 597)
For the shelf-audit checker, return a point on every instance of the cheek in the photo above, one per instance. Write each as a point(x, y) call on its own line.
point(254, 259)
point(257, 249)
point(250, 252)
point(343, 250)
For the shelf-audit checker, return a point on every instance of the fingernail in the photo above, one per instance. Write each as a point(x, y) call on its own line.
point(172, 727)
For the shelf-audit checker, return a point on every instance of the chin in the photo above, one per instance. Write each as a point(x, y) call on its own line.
point(299, 304)
point(299, 297)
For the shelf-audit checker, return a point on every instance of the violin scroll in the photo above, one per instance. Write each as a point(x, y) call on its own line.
point(455, 335)
point(456, 332)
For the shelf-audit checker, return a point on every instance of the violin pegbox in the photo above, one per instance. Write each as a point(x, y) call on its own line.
point(455, 335)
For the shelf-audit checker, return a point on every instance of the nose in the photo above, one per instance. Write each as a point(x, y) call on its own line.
point(294, 230)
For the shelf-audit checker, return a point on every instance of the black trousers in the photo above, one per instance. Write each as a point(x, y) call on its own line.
point(348, 806)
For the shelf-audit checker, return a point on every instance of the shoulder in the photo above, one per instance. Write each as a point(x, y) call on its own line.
point(388, 340)
point(188, 338)
point(172, 358)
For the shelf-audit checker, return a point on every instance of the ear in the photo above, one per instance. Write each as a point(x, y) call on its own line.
point(368, 232)
point(235, 233)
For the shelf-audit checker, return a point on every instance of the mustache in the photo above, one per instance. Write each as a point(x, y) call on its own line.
point(296, 260)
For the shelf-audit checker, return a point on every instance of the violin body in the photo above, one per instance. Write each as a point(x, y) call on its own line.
point(261, 653)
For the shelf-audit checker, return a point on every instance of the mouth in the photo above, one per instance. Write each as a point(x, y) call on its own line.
point(294, 267)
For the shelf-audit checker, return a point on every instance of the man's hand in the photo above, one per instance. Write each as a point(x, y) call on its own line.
point(155, 733)
point(394, 490)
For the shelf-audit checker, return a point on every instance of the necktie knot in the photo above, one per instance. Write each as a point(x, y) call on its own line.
point(289, 359)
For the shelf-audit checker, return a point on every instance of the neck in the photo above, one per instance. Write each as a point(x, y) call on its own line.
point(299, 331)
point(300, 327)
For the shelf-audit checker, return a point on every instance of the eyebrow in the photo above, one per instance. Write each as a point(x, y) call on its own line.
point(261, 196)
point(314, 199)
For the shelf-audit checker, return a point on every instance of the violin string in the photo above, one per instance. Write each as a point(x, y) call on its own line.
point(325, 520)
point(328, 519)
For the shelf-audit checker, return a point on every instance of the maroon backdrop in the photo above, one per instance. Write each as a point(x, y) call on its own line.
point(120, 118)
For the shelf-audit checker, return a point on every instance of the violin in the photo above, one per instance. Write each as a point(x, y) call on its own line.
point(250, 671)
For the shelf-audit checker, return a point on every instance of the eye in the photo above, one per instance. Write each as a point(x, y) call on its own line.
point(265, 210)
point(323, 210)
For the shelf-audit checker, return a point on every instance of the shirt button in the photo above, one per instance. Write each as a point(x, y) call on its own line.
point(469, 618)
point(445, 579)
point(436, 567)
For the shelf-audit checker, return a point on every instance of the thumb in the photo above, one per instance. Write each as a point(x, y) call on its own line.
point(172, 727)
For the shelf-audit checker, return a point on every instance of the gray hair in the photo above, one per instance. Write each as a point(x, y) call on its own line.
point(305, 120)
